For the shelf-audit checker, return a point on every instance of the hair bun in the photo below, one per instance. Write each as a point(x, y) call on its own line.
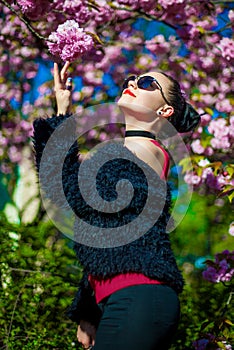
point(189, 120)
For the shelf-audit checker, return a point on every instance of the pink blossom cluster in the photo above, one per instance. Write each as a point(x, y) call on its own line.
point(34, 9)
point(75, 9)
point(103, 14)
point(223, 134)
point(204, 71)
point(212, 139)
point(69, 41)
point(145, 5)
point(226, 47)
point(84, 13)
point(167, 3)
point(231, 229)
point(214, 182)
point(158, 45)
point(220, 270)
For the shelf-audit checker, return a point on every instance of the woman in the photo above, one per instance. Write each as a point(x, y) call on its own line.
point(128, 296)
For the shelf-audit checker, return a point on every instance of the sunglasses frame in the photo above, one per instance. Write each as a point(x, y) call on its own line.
point(138, 78)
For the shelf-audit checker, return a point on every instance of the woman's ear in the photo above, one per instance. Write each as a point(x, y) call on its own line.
point(165, 111)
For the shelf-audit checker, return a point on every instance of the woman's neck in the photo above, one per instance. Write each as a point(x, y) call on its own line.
point(152, 125)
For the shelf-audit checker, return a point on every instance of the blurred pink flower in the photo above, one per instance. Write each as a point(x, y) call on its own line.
point(208, 62)
point(197, 147)
point(14, 154)
point(24, 124)
point(34, 9)
point(218, 127)
point(77, 9)
point(224, 105)
point(215, 182)
point(231, 15)
point(192, 179)
point(220, 143)
point(3, 140)
point(226, 46)
point(105, 13)
point(26, 4)
point(146, 5)
point(206, 171)
point(158, 45)
point(205, 118)
point(5, 169)
point(209, 151)
point(167, 3)
point(231, 229)
point(69, 41)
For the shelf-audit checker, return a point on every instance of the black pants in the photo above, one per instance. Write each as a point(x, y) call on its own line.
point(142, 317)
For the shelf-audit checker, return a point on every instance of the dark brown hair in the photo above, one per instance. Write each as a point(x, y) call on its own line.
point(185, 118)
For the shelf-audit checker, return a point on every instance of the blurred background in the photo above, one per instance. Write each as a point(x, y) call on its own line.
point(106, 41)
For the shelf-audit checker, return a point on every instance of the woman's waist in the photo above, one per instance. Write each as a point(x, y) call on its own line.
point(103, 287)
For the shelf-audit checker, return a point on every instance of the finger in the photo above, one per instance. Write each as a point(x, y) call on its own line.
point(57, 80)
point(64, 71)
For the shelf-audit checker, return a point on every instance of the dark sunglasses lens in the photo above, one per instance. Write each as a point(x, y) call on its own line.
point(145, 82)
point(126, 81)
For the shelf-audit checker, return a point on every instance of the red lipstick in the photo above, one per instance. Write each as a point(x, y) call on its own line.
point(129, 92)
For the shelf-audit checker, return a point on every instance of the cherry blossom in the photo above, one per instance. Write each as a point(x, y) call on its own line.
point(103, 39)
point(231, 229)
point(226, 47)
point(34, 9)
point(69, 41)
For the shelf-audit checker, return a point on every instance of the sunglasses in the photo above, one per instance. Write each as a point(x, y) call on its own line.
point(145, 83)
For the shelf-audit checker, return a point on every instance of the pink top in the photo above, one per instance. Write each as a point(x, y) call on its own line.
point(105, 287)
point(166, 161)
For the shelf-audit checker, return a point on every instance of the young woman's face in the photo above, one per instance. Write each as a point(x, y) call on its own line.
point(151, 97)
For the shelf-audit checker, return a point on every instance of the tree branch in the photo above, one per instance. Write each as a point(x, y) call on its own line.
point(28, 25)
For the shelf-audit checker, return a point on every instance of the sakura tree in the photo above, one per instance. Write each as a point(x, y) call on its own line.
point(111, 39)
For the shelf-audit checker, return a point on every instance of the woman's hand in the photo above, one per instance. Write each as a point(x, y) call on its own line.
point(63, 95)
point(86, 334)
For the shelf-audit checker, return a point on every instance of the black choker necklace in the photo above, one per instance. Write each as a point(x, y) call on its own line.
point(141, 133)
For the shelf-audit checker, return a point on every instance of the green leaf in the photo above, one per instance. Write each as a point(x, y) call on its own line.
point(221, 345)
point(186, 164)
point(95, 37)
point(231, 196)
point(228, 322)
point(216, 166)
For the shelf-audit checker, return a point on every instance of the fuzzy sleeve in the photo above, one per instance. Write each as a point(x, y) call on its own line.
point(57, 159)
point(84, 306)
point(43, 128)
point(60, 133)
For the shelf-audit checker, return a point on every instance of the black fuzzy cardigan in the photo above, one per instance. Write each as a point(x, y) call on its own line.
point(149, 254)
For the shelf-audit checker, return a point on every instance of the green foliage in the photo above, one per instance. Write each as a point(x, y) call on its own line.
point(204, 310)
point(204, 229)
point(39, 275)
point(205, 307)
